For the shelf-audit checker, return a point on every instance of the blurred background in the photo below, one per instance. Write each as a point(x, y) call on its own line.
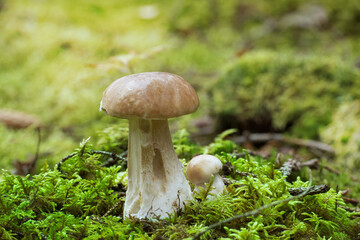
point(282, 69)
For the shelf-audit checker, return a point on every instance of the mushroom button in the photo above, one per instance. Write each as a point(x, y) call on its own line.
point(200, 169)
point(156, 183)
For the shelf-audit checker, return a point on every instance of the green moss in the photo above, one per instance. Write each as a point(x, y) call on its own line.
point(20, 145)
point(344, 135)
point(113, 139)
point(298, 93)
point(73, 201)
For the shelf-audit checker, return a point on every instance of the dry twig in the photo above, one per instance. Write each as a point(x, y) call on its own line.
point(265, 137)
point(350, 200)
point(317, 189)
point(228, 169)
point(27, 167)
point(114, 158)
point(294, 165)
point(121, 194)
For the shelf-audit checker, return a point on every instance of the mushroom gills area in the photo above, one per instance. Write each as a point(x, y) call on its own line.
point(156, 183)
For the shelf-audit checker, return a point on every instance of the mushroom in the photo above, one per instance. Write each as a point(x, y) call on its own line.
point(18, 120)
point(156, 182)
point(201, 168)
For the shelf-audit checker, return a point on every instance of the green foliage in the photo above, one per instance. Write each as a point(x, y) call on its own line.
point(61, 203)
point(343, 17)
point(21, 145)
point(183, 146)
point(285, 91)
point(220, 144)
point(340, 17)
point(344, 134)
point(72, 202)
point(113, 139)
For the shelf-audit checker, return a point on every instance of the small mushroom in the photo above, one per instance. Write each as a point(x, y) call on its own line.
point(201, 168)
point(18, 120)
point(156, 182)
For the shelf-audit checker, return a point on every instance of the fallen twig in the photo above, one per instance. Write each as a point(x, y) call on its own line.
point(345, 192)
point(250, 152)
point(349, 209)
point(265, 137)
point(228, 169)
point(290, 166)
point(27, 167)
point(32, 165)
point(114, 158)
point(350, 200)
point(316, 189)
point(332, 170)
point(312, 163)
point(294, 165)
point(122, 194)
point(58, 165)
point(338, 173)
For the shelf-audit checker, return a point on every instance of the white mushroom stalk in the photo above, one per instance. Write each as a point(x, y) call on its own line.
point(156, 183)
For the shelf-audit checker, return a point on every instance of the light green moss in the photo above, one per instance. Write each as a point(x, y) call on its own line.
point(21, 145)
point(298, 93)
point(344, 134)
point(73, 201)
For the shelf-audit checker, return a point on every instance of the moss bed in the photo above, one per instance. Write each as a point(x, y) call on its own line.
point(83, 197)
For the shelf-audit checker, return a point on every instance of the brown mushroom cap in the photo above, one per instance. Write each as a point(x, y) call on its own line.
point(149, 95)
point(17, 120)
point(200, 168)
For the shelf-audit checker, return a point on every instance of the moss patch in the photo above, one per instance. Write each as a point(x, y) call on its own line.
point(73, 201)
point(270, 91)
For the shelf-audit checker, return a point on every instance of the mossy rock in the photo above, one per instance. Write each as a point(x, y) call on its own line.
point(267, 91)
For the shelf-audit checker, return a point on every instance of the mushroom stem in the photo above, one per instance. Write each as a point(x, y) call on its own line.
point(156, 183)
point(217, 185)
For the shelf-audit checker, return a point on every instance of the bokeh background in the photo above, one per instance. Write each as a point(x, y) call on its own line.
point(286, 66)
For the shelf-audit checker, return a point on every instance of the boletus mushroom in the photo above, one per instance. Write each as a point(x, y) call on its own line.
point(201, 168)
point(156, 182)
